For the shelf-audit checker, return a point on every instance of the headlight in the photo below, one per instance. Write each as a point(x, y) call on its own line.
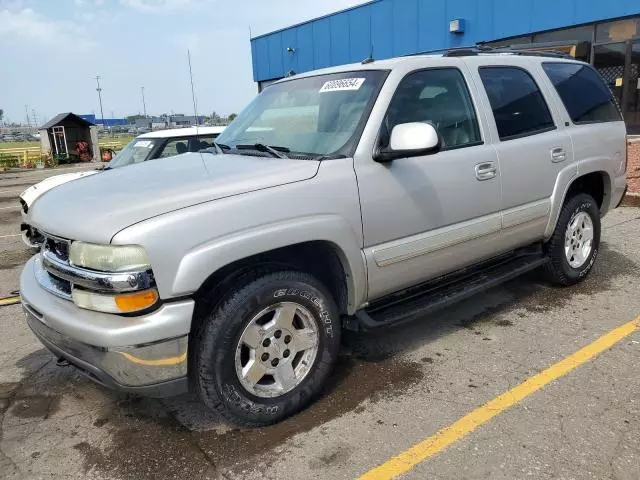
point(120, 303)
point(109, 258)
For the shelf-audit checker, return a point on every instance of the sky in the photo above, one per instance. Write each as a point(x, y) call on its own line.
point(52, 50)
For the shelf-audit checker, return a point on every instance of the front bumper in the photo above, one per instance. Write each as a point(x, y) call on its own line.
point(145, 354)
point(30, 235)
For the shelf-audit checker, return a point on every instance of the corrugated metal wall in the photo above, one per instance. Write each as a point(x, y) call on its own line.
point(398, 27)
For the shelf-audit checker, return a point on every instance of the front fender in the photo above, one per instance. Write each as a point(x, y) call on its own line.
point(188, 245)
point(200, 262)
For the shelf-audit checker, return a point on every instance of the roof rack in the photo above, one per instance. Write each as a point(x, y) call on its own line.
point(483, 49)
point(451, 51)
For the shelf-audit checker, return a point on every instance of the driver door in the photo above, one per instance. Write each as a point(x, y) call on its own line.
point(428, 215)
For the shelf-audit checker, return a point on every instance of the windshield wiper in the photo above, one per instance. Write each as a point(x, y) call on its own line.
point(278, 152)
point(216, 148)
point(319, 158)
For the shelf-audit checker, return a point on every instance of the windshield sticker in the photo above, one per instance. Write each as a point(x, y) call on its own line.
point(342, 85)
point(143, 144)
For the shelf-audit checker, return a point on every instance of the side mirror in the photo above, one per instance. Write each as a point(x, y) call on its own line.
point(410, 140)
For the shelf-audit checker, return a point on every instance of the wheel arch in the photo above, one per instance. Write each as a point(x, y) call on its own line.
point(298, 243)
point(595, 182)
point(322, 259)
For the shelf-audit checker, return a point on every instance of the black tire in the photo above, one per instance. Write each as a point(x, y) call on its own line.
point(558, 270)
point(216, 340)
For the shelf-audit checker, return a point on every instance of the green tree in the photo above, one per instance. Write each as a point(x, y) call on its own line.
point(215, 118)
point(232, 117)
point(1, 114)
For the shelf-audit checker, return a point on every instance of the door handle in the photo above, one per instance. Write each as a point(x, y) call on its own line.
point(558, 155)
point(486, 171)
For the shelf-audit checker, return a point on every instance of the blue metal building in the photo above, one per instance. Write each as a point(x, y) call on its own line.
point(108, 122)
point(603, 32)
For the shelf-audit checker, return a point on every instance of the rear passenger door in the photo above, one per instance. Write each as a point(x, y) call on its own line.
point(532, 143)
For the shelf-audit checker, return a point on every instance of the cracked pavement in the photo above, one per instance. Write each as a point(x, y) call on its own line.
point(390, 390)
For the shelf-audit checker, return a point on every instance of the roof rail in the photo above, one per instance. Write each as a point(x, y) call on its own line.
point(452, 52)
point(481, 49)
point(466, 52)
point(536, 53)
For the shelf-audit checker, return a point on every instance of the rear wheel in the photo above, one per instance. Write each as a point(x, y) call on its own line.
point(266, 350)
point(574, 245)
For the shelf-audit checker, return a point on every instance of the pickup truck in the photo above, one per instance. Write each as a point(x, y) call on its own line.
point(353, 197)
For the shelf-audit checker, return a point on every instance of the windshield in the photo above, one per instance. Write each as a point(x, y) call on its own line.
point(319, 115)
point(136, 151)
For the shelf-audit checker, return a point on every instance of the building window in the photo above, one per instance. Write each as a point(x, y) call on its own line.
point(632, 112)
point(609, 61)
point(578, 34)
point(585, 96)
point(618, 31)
point(517, 103)
point(511, 41)
point(439, 97)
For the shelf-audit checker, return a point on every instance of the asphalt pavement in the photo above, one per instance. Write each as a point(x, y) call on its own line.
point(393, 394)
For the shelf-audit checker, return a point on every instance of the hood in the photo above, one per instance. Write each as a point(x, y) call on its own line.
point(97, 207)
point(34, 191)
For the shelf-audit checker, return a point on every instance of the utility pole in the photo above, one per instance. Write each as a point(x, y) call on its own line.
point(99, 90)
point(144, 105)
point(193, 91)
point(26, 110)
point(35, 118)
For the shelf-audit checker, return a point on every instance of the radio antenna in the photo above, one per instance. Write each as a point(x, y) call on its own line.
point(193, 96)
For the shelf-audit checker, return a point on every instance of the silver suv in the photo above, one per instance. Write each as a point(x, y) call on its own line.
point(349, 198)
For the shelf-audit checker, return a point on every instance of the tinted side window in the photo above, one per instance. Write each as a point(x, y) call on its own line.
point(517, 103)
point(439, 97)
point(206, 141)
point(584, 94)
point(180, 145)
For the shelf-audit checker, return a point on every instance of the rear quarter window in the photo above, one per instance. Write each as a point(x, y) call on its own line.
point(584, 94)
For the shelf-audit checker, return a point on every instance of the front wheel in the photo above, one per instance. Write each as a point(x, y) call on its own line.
point(573, 247)
point(267, 349)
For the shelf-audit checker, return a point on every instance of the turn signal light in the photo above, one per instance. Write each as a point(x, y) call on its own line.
point(132, 302)
point(120, 303)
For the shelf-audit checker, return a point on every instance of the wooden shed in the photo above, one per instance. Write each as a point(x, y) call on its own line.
point(70, 136)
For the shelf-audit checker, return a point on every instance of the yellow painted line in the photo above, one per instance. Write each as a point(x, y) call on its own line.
point(161, 362)
point(420, 452)
point(9, 301)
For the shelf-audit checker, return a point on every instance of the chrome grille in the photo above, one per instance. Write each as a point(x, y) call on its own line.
point(59, 247)
point(56, 274)
point(62, 286)
point(51, 283)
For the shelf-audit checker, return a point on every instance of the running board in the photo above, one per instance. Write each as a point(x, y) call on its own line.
point(427, 298)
